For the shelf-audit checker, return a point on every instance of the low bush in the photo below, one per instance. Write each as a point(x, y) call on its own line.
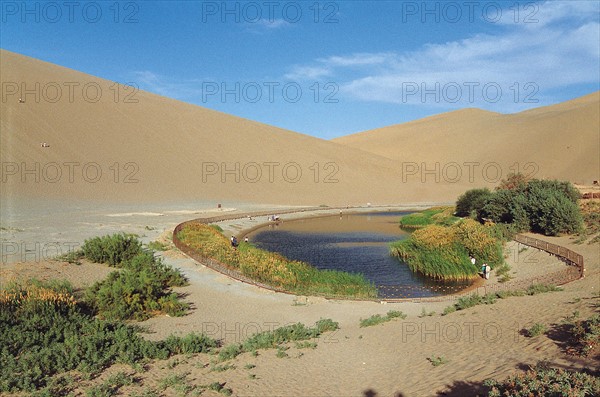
point(113, 249)
point(379, 319)
point(45, 331)
point(546, 382)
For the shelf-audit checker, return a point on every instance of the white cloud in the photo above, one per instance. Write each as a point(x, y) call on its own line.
point(525, 61)
point(165, 86)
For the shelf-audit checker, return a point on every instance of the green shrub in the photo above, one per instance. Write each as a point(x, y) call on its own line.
point(543, 206)
point(536, 330)
point(45, 332)
point(470, 201)
point(139, 290)
point(112, 249)
point(546, 382)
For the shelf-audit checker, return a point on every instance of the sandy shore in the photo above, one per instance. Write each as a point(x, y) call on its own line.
point(388, 359)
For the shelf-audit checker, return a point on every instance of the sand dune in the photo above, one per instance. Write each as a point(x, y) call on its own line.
point(559, 141)
point(109, 143)
point(164, 148)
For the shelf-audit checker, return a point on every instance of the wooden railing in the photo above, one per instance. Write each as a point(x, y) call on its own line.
point(574, 270)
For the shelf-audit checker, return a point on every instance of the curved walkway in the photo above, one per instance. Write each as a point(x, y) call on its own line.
point(573, 271)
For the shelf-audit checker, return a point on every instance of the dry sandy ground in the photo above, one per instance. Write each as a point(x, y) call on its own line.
point(384, 360)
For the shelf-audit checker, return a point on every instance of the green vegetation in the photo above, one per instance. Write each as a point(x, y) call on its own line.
point(274, 269)
point(433, 216)
point(158, 246)
point(542, 381)
point(112, 250)
point(536, 330)
point(443, 252)
point(468, 203)
point(45, 331)
point(138, 291)
point(278, 337)
point(584, 335)
point(591, 220)
point(465, 302)
point(110, 386)
point(437, 360)
point(549, 207)
point(378, 318)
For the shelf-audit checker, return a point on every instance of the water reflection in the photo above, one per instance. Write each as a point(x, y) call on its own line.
point(356, 243)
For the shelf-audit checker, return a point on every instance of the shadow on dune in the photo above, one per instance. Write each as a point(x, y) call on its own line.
point(373, 393)
point(463, 388)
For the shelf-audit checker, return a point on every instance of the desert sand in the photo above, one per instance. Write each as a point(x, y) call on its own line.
point(389, 359)
point(161, 162)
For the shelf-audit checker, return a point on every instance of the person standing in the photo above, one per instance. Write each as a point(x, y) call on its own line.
point(488, 269)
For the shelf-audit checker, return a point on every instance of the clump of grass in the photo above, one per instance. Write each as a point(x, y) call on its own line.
point(425, 313)
point(281, 353)
point(158, 246)
point(277, 337)
point(110, 386)
point(379, 319)
point(544, 381)
point(503, 273)
point(306, 345)
point(274, 269)
point(536, 330)
point(443, 252)
point(222, 368)
point(541, 288)
point(177, 382)
point(437, 360)
point(220, 387)
point(465, 302)
point(436, 215)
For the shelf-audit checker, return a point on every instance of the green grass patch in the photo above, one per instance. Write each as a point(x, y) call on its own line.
point(465, 302)
point(274, 269)
point(433, 216)
point(158, 246)
point(443, 252)
point(536, 330)
point(379, 319)
point(274, 339)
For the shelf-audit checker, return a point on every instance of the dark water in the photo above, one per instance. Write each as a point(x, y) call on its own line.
point(357, 243)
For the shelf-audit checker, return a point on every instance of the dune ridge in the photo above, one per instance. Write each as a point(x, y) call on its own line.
point(110, 143)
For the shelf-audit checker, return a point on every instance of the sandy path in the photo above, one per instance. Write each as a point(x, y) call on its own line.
point(388, 359)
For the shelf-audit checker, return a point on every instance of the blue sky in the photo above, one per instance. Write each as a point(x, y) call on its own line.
point(325, 68)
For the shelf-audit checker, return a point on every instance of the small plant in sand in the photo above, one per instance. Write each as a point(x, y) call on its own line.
point(536, 330)
point(110, 386)
point(278, 337)
point(379, 319)
point(437, 360)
